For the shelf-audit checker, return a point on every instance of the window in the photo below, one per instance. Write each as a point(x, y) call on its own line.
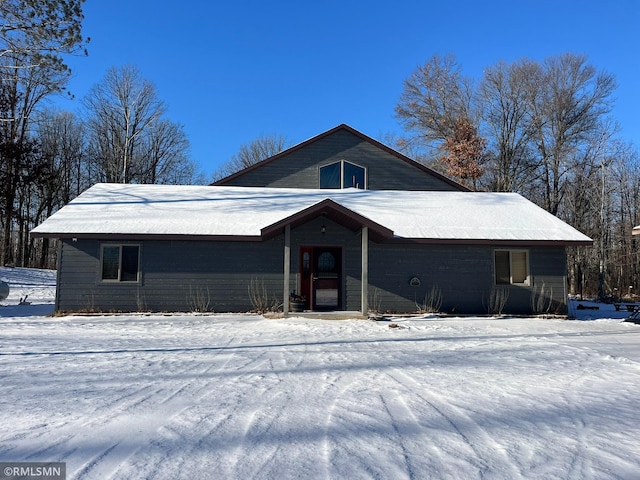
point(512, 267)
point(353, 176)
point(120, 263)
point(326, 262)
point(342, 174)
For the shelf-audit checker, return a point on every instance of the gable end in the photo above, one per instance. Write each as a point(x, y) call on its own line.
point(297, 167)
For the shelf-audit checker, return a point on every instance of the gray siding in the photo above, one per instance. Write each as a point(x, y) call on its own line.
point(175, 273)
point(464, 275)
point(549, 276)
point(299, 169)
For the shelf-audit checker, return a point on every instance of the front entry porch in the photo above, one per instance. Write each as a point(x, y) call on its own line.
point(321, 278)
point(327, 293)
point(321, 274)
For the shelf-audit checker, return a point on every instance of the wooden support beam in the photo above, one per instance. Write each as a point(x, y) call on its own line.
point(287, 269)
point(365, 271)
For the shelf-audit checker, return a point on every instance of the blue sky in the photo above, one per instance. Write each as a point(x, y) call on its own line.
point(230, 72)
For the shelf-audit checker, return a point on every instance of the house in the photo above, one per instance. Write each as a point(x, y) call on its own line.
point(341, 220)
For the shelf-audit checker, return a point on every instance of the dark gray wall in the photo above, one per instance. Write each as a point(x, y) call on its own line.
point(299, 169)
point(175, 273)
point(464, 274)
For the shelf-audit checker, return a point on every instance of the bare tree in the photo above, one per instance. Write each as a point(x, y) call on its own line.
point(408, 146)
point(163, 155)
point(62, 143)
point(251, 153)
point(129, 139)
point(548, 137)
point(21, 91)
point(621, 258)
point(121, 111)
point(505, 93)
point(434, 98)
point(62, 175)
point(575, 100)
point(34, 34)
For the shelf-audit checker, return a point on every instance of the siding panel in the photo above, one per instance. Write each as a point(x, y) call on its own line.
point(464, 275)
point(299, 169)
point(175, 273)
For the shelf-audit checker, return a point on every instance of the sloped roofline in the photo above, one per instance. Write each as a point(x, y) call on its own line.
point(119, 211)
point(335, 212)
point(358, 134)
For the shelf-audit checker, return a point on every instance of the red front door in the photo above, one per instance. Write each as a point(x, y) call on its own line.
point(321, 277)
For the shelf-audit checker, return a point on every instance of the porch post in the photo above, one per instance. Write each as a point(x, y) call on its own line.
point(365, 271)
point(287, 269)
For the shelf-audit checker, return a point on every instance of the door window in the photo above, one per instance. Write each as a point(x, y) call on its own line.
point(326, 262)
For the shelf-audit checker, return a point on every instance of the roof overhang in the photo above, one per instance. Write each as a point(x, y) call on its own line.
point(119, 237)
point(336, 213)
point(377, 233)
point(494, 242)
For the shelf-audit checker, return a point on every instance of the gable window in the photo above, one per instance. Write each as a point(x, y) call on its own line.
point(342, 174)
point(120, 263)
point(511, 267)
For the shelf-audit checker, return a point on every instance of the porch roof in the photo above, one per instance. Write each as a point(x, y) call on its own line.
point(126, 210)
point(335, 212)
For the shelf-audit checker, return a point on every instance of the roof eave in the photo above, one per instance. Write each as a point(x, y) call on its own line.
point(335, 212)
point(271, 231)
point(115, 237)
point(494, 242)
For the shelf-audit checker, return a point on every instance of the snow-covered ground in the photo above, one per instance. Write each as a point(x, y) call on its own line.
point(241, 396)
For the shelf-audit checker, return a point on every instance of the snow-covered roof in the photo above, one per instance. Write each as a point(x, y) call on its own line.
point(246, 211)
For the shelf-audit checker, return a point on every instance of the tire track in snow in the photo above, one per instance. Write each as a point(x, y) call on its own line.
point(354, 418)
point(226, 426)
point(150, 414)
point(580, 468)
point(90, 465)
point(346, 418)
point(338, 387)
point(485, 448)
point(398, 416)
point(72, 435)
point(188, 424)
point(259, 426)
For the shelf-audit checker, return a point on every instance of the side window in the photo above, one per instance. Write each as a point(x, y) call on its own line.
point(342, 174)
point(330, 176)
point(353, 176)
point(502, 269)
point(110, 262)
point(120, 263)
point(306, 264)
point(511, 267)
